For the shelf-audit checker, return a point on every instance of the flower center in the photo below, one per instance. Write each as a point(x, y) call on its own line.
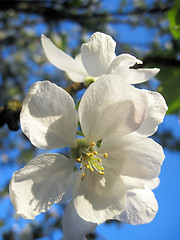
point(89, 158)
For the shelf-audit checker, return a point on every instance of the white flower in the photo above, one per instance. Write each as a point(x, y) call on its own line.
point(97, 58)
point(117, 162)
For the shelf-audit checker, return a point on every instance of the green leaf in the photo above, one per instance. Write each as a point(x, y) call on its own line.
point(174, 20)
point(170, 87)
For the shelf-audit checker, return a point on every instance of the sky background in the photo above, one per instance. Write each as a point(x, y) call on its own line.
point(166, 224)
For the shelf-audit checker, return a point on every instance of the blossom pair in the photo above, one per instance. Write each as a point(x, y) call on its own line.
point(112, 169)
point(97, 58)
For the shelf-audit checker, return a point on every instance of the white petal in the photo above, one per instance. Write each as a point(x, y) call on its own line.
point(74, 227)
point(69, 193)
point(131, 182)
point(110, 105)
point(78, 59)
point(141, 159)
point(98, 53)
point(123, 61)
point(135, 76)
point(155, 112)
point(48, 116)
point(98, 198)
point(42, 182)
point(141, 207)
point(63, 61)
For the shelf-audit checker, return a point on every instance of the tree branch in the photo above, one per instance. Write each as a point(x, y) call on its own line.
point(160, 61)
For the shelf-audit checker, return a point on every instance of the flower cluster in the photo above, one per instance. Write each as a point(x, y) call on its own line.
point(112, 169)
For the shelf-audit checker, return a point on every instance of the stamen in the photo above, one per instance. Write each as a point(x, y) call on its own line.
point(91, 169)
point(90, 159)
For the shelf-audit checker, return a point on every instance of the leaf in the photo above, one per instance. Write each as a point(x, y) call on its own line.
point(174, 19)
point(170, 87)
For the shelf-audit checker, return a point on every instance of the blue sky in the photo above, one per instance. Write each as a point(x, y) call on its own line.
point(166, 223)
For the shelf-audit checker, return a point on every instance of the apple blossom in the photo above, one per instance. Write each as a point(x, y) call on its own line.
point(116, 161)
point(97, 58)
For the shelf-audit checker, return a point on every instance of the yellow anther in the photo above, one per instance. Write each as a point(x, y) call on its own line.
point(88, 166)
point(105, 155)
point(89, 154)
point(95, 152)
point(78, 159)
point(99, 160)
point(93, 144)
point(101, 173)
point(83, 174)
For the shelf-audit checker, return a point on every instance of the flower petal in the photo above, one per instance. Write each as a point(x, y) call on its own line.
point(74, 227)
point(98, 198)
point(42, 182)
point(141, 207)
point(63, 61)
point(69, 193)
point(135, 76)
point(131, 182)
point(78, 59)
point(123, 61)
point(155, 112)
point(120, 66)
point(98, 53)
point(141, 159)
point(110, 105)
point(48, 117)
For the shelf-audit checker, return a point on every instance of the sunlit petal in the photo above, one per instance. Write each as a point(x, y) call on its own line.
point(100, 198)
point(74, 227)
point(48, 116)
point(141, 207)
point(98, 53)
point(109, 106)
point(63, 61)
point(42, 182)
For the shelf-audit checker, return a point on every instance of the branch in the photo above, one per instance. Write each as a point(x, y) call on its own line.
point(74, 88)
point(9, 114)
point(160, 61)
point(56, 11)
